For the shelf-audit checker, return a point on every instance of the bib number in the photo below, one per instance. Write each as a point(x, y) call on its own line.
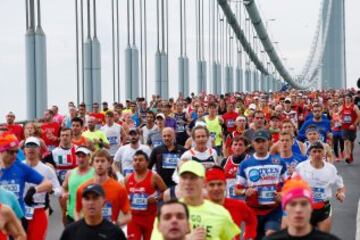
point(139, 201)
point(170, 161)
point(347, 119)
point(266, 195)
point(107, 211)
point(29, 212)
point(319, 194)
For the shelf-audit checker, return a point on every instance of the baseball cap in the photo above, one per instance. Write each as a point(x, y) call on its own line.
point(215, 173)
point(252, 106)
point(261, 134)
point(160, 115)
point(32, 140)
point(133, 129)
point(287, 100)
point(192, 167)
point(8, 140)
point(83, 150)
point(311, 128)
point(93, 188)
point(295, 187)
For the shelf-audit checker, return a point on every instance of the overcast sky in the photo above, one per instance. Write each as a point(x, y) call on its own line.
point(293, 28)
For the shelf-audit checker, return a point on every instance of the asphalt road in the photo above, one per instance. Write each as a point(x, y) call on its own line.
point(344, 214)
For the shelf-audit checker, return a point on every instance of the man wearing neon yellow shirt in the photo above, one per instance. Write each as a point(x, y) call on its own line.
point(207, 220)
point(96, 136)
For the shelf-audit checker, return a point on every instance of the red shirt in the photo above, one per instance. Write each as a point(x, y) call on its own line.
point(139, 193)
point(229, 119)
point(240, 212)
point(17, 130)
point(348, 117)
point(50, 130)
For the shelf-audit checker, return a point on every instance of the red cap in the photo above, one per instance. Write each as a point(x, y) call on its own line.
point(215, 173)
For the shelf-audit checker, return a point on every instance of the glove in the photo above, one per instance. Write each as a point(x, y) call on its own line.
point(28, 199)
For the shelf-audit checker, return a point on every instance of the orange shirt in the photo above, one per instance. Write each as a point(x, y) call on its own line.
point(81, 142)
point(115, 195)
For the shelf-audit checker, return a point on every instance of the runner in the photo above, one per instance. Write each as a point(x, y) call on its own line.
point(321, 177)
point(257, 124)
point(154, 137)
point(350, 116)
point(173, 220)
point(338, 141)
point(93, 226)
point(240, 123)
point(50, 130)
point(99, 117)
point(73, 179)
point(229, 117)
point(124, 156)
point(10, 225)
point(36, 215)
point(259, 179)
point(116, 198)
point(13, 127)
point(165, 157)
point(201, 153)
point(182, 120)
point(240, 212)
point(63, 157)
point(231, 164)
point(208, 220)
point(77, 139)
point(149, 127)
point(145, 188)
point(297, 201)
point(97, 137)
point(289, 113)
point(214, 125)
point(114, 132)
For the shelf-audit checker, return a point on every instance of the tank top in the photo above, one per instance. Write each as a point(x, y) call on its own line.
point(230, 169)
point(139, 193)
point(207, 162)
point(75, 180)
point(65, 160)
point(215, 129)
point(81, 142)
point(296, 148)
point(348, 116)
point(180, 122)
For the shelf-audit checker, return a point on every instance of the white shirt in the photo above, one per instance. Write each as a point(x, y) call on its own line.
point(124, 157)
point(145, 133)
point(208, 158)
point(320, 180)
point(49, 174)
point(113, 135)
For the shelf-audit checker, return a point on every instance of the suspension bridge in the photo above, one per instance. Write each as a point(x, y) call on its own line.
point(234, 50)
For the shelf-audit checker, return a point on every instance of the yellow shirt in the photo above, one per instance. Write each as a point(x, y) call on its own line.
point(213, 217)
point(97, 134)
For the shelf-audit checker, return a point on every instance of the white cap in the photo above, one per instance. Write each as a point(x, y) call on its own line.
point(33, 140)
point(200, 123)
point(287, 99)
point(252, 106)
point(83, 150)
point(161, 115)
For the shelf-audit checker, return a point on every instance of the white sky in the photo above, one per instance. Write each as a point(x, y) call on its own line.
point(293, 29)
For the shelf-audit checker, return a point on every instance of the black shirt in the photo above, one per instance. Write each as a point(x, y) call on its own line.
point(104, 231)
point(313, 235)
point(165, 162)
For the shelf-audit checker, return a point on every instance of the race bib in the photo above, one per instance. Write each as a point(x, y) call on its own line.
point(180, 128)
point(61, 174)
point(139, 201)
point(12, 187)
point(107, 211)
point(231, 183)
point(230, 123)
point(318, 194)
point(29, 212)
point(170, 160)
point(157, 143)
point(113, 140)
point(347, 119)
point(128, 171)
point(266, 195)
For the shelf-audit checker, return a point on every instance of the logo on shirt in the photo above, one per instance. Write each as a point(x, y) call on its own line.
point(254, 175)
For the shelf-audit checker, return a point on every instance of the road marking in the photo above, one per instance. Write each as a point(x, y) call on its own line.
point(358, 222)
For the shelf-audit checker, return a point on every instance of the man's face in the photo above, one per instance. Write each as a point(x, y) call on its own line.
point(298, 212)
point(82, 110)
point(288, 127)
point(76, 128)
point(261, 146)
point(313, 136)
point(9, 156)
point(173, 223)
point(317, 154)
point(55, 109)
point(134, 137)
point(200, 137)
point(179, 107)
point(259, 120)
point(32, 151)
point(287, 105)
point(216, 190)
point(213, 110)
point(168, 137)
point(191, 185)
point(285, 142)
point(96, 108)
point(317, 111)
point(10, 118)
point(348, 100)
point(92, 205)
point(133, 108)
point(91, 124)
point(238, 147)
point(150, 118)
point(160, 122)
point(101, 165)
point(48, 116)
point(140, 163)
point(230, 107)
point(82, 159)
point(109, 120)
point(65, 137)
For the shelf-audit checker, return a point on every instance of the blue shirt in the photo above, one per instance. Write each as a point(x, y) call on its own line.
point(293, 161)
point(323, 126)
point(14, 178)
point(8, 198)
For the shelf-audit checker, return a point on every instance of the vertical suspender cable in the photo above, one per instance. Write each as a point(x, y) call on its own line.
point(141, 50)
point(145, 47)
point(113, 47)
point(181, 28)
point(185, 33)
point(133, 12)
point(128, 22)
point(158, 24)
point(82, 48)
point(94, 12)
point(162, 26)
point(77, 52)
point(118, 49)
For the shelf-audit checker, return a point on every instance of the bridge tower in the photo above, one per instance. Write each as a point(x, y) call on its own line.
point(333, 72)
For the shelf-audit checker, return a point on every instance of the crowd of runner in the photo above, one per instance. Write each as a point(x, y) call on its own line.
point(236, 166)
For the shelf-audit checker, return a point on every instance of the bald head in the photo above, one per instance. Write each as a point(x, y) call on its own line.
point(168, 135)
